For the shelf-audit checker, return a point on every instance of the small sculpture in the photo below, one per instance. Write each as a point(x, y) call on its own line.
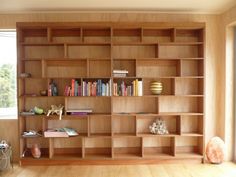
point(158, 127)
point(35, 151)
point(56, 109)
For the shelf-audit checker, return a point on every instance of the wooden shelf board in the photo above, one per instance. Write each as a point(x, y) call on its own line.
point(31, 59)
point(154, 135)
point(180, 43)
point(188, 155)
point(172, 95)
point(41, 44)
point(156, 43)
point(67, 157)
point(133, 43)
point(100, 135)
point(174, 77)
point(30, 158)
point(67, 117)
point(181, 113)
point(116, 135)
point(24, 78)
point(33, 116)
point(64, 59)
point(164, 59)
point(89, 44)
point(200, 58)
point(158, 114)
point(160, 96)
point(64, 43)
point(127, 156)
point(97, 156)
point(191, 134)
point(157, 155)
point(33, 137)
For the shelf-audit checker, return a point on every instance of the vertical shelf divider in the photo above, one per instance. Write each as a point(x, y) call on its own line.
point(157, 105)
point(157, 51)
point(49, 34)
point(179, 68)
point(173, 146)
point(112, 148)
point(87, 67)
point(81, 35)
point(88, 124)
point(173, 35)
point(65, 50)
point(43, 65)
point(142, 146)
point(51, 148)
point(141, 34)
point(83, 147)
point(179, 125)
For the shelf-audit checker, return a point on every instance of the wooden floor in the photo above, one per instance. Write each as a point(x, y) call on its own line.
point(167, 170)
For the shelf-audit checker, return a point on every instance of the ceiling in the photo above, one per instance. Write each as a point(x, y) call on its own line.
point(170, 6)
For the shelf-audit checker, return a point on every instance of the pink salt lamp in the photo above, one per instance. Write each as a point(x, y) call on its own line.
point(215, 150)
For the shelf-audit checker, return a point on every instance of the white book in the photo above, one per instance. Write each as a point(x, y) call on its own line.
point(140, 88)
point(110, 88)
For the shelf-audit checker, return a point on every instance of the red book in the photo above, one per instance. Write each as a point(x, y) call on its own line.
point(73, 87)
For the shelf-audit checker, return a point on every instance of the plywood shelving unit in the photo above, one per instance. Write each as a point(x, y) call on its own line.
point(117, 129)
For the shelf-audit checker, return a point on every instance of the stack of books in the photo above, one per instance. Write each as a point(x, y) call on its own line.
point(120, 73)
point(134, 89)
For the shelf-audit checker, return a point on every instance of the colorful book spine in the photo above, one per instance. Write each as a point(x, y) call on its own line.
point(73, 87)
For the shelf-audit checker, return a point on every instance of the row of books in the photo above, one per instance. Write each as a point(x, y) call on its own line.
point(123, 89)
point(87, 88)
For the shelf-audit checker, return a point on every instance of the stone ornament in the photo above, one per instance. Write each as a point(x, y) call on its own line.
point(56, 110)
point(215, 150)
point(35, 151)
point(158, 127)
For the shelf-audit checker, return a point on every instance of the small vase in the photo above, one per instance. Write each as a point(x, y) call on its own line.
point(156, 88)
point(35, 151)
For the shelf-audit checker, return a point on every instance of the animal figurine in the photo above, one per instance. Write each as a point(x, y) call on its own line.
point(56, 109)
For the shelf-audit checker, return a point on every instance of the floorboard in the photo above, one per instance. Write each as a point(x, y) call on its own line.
point(226, 169)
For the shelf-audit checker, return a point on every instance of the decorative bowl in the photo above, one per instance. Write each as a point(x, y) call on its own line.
point(43, 92)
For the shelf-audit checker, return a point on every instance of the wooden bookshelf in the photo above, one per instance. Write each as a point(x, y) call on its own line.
point(117, 130)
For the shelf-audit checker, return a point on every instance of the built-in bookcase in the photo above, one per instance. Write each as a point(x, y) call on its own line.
point(117, 130)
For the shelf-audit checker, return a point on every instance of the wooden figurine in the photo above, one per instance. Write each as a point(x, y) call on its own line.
point(56, 109)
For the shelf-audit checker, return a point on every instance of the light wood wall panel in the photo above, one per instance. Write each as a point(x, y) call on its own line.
point(226, 79)
point(7, 21)
point(9, 132)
